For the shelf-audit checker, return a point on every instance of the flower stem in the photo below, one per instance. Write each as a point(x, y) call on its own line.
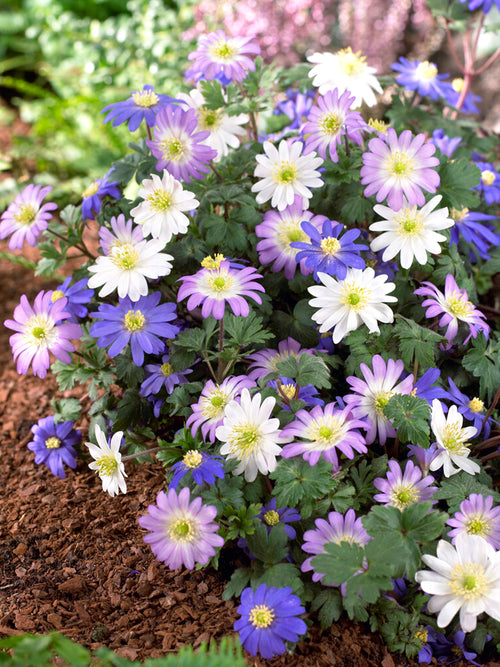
point(153, 450)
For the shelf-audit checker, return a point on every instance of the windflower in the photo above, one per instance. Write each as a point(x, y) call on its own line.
point(397, 167)
point(264, 361)
point(420, 76)
point(344, 305)
point(289, 389)
point(484, 5)
point(272, 515)
point(477, 516)
point(41, 329)
point(26, 217)
point(451, 439)
point(95, 192)
point(447, 145)
point(141, 105)
point(77, 296)
point(285, 172)
point(161, 214)
point(402, 489)
point(250, 435)
point(323, 431)
point(54, 444)
point(471, 408)
point(296, 106)
point(346, 71)
point(181, 532)
point(108, 461)
point(476, 229)
point(203, 468)
point(208, 412)
point(217, 282)
point(453, 92)
point(269, 617)
point(453, 306)
point(489, 183)
point(463, 578)
point(410, 232)
point(279, 230)
point(140, 323)
point(162, 375)
point(218, 56)
point(123, 232)
point(179, 148)
point(372, 395)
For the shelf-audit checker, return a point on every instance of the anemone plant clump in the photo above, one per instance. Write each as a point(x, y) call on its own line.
point(320, 384)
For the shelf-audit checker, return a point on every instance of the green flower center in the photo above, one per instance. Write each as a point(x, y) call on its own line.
point(39, 331)
point(91, 190)
point(192, 459)
point(330, 246)
point(272, 518)
point(453, 439)
point(145, 98)
point(26, 214)
point(209, 119)
point(220, 282)
point(487, 177)
point(426, 70)
point(476, 525)
point(160, 200)
point(212, 407)
point(261, 616)
point(53, 442)
point(324, 436)
point(244, 439)
point(182, 530)
point(330, 123)
point(124, 256)
point(399, 164)
point(354, 297)
point(107, 465)
point(173, 149)
point(381, 400)
point(222, 51)
point(285, 173)
point(468, 581)
point(134, 320)
point(404, 496)
point(166, 369)
point(409, 222)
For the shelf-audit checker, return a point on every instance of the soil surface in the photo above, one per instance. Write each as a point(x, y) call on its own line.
point(72, 559)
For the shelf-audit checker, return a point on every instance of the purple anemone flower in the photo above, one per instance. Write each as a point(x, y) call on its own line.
point(269, 617)
point(278, 230)
point(420, 76)
point(477, 516)
point(397, 167)
point(140, 323)
point(476, 229)
point(402, 489)
point(329, 252)
point(141, 105)
point(288, 388)
point(270, 515)
point(26, 218)
point(424, 386)
point(178, 146)
point(162, 375)
point(96, 191)
point(54, 444)
point(204, 468)
point(40, 330)
point(77, 296)
point(123, 232)
point(213, 285)
point(296, 106)
point(453, 306)
point(264, 361)
point(218, 56)
point(447, 145)
point(181, 532)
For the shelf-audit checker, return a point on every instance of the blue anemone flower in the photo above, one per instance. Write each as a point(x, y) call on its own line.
point(203, 468)
point(92, 196)
point(141, 105)
point(422, 77)
point(54, 444)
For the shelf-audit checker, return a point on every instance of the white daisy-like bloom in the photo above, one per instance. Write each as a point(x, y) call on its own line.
point(284, 173)
point(345, 70)
point(108, 461)
point(127, 268)
point(410, 232)
point(224, 130)
point(161, 214)
point(344, 305)
point(463, 578)
point(250, 435)
point(451, 438)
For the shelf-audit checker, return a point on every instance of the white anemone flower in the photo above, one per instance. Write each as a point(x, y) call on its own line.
point(108, 462)
point(410, 232)
point(161, 214)
point(344, 305)
point(224, 130)
point(463, 578)
point(345, 70)
point(451, 438)
point(284, 173)
point(250, 435)
point(128, 266)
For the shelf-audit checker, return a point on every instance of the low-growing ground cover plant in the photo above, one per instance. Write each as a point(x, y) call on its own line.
point(291, 308)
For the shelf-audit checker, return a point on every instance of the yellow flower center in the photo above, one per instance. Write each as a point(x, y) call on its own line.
point(324, 435)
point(172, 148)
point(91, 190)
point(378, 125)
point(409, 222)
point(26, 214)
point(134, 320)
point(53, 443)
point(457, 85)
point(209, 119)
point(422, 634)
point(476, 405)
point(212, 264)
point(285, 173)
point(39, 331)
point(399, 165)
point(244, 439)
point(330, 123)
point(166, 369)
point(354, 297)
point(220, 282)
point(107, 465)
point(288, 390)
point(330, 246)
point(261, 616)
point(56, 294)
point(192, 459)
point(272, 518)
point(453, 439)
point(351, 63)
point(222, 52)
point(468, 581)
point(380, 401)
point(403, 496)
point(124, 256)
point(145, 98)
point(487, 177)
point(212, 407)
point(182, 530)
point(477, 525)
point(459, 306)
point(160, 200)
point(426, 70)
point(459, 214)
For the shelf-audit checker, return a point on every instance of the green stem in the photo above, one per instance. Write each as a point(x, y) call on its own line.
point(153, 450)
point(253, 122)
point(220, 370)
point(83, 248)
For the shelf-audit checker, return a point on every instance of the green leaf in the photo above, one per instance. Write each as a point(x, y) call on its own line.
point(280, 575)
point(329, 606)
point(457, 488)
point(245, 331)
point(66, 409)
point(457, 179)
point(410, 415)
point(416, 342)
point(239, 580)
point(482, 361)
point(298, 483)
point(269, 548)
